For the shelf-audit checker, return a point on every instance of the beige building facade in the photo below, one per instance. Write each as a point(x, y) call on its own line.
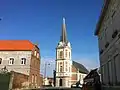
point(23, 57)
point(108, 32)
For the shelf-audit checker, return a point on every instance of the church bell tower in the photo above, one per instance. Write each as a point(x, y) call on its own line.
point(63, 60)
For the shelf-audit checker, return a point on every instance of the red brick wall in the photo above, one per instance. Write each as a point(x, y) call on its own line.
point(35, 68)
point(74, 76)
point(74, 69)
point(41, 80)
point(19, 79)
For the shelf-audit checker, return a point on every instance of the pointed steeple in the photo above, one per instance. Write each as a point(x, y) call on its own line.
point(64, 33)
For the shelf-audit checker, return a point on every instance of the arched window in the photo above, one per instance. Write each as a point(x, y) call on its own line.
point(61, 54)
point(0, 60)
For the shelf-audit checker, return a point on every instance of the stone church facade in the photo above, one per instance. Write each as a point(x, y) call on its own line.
point(68, 72)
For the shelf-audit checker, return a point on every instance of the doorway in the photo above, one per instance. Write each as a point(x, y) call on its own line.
point(60, 82)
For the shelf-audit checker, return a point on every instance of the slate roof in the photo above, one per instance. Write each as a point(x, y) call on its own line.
point(81, 68)
point(92, 74)
point(63, 37)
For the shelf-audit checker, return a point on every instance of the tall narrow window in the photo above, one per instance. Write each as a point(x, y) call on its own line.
point(69, 69)
point(66, 51)
point(69, 54)
point(32, 78)
point(11, 61)
point(36, 79)
point(58, 54)
point(61, 54)
point(117, 67)
point(60, 68)
point(23, 61)
point(66, 67)
point(0, 60)
point(35, 53)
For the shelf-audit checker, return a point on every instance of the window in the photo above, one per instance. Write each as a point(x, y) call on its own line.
point(11, 61)
point(23, 61)
point(66, 67)
point(60, 68)
point(35, 53)
point(66, 53)
point(36, 79)
point(58, 54)
point(110, 72)
point(32, 78)
point(117, 67)
point(61, 54)
point(0, 60)
point(69, 54)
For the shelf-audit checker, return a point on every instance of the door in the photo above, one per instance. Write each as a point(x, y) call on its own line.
point(60, 82)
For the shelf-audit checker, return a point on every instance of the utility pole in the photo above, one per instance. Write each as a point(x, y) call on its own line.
point(45, 71)
point(54, 77)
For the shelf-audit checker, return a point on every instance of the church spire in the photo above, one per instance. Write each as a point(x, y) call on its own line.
point(64, 34)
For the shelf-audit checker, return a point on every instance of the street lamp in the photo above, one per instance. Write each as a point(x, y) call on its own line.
point(46, 68)
point(46, 64)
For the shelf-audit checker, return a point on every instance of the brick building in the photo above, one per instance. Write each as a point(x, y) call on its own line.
point(68, 72)
point(23, 57)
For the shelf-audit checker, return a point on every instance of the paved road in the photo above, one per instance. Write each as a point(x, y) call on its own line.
point(57, 88)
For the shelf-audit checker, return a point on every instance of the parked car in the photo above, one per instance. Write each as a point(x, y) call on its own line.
point(76, 86)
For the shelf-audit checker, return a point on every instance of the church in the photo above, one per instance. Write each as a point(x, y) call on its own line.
point(68, 72)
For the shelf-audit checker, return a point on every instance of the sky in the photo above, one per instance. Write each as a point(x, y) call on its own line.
point(40, 22)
